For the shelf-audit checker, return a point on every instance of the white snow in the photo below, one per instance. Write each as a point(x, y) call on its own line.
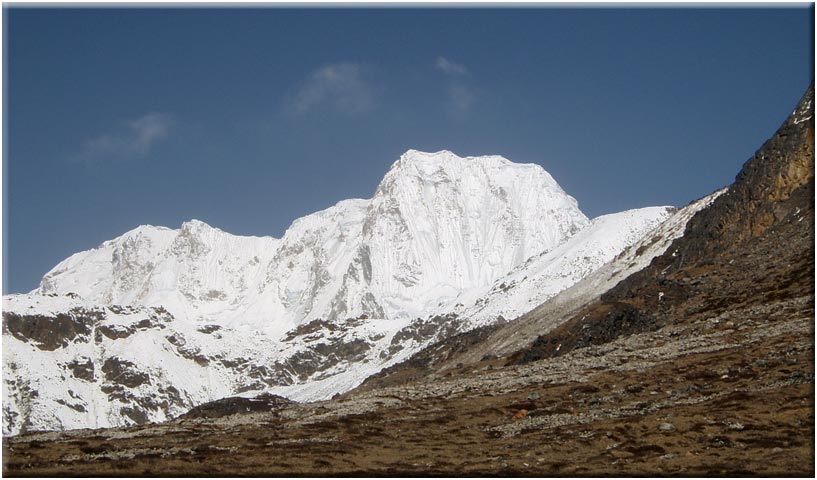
point(545, 275)
point(437, 225)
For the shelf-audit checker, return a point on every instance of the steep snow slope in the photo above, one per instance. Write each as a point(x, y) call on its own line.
point(437, 225)
point(441, 224)
point(544, 275)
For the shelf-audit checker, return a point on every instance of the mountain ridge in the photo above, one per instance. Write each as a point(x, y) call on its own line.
point(404, 193)
point(346, 291)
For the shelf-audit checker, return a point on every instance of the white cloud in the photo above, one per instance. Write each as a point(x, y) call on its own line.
point(459, 95)
point(135, 138)
point(450, 68)
point(341, 86)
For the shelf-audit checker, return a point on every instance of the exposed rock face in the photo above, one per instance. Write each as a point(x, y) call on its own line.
point(83, 369)
point(761, 196)
point(123, 372)
point(233, 405)
point(52, 332)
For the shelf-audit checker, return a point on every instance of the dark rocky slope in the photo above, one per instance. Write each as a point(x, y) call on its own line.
point(753, 245)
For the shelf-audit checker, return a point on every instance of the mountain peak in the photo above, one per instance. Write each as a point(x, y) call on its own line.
point(485, 173)
point(193, 226)
point(194, 223)
point(413, 153)
point(415, 157)
point(435, 166)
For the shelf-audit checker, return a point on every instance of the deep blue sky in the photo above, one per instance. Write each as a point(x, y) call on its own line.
point(249, 118)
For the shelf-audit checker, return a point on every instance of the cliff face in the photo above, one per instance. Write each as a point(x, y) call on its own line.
point(754, 244)
point(761, 195)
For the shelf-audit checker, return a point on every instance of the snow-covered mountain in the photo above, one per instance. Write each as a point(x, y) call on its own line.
point(158, 320)
point(438, 225)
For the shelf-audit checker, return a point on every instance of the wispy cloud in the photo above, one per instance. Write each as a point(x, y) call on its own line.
point(460, 96)
point(341, 86)
point(134, 138)
point(450, 68)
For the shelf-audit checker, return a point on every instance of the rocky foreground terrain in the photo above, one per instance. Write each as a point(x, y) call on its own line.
point(700, 364)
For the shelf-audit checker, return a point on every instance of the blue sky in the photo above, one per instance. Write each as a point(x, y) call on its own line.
point(249, 118)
